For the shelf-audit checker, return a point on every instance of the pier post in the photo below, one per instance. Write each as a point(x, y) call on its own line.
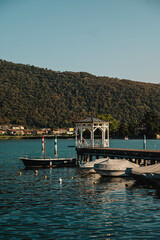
point(139, 161)
point(87, 158)
point(78, 159)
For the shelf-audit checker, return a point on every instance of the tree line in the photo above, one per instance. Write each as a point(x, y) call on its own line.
point(149, 125)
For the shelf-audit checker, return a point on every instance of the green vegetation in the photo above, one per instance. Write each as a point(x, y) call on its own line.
point(113, 124)
point(36, 97)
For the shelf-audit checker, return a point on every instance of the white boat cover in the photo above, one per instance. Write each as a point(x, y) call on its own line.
point(155, 168)
point(115, 165)
point(90, 165)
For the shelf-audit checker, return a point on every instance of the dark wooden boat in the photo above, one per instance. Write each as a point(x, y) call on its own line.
point(32, 162)
point(47, 162)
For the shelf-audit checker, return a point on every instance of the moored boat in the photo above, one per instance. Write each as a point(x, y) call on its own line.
point(147, 174)
point(32, 162)
point(88, 167)
point(114, 167)
point(45, 162)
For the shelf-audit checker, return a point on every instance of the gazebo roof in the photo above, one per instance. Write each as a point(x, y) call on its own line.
point(91, 120)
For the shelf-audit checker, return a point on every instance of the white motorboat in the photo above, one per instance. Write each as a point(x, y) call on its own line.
point(114, 167)
point(88, 167)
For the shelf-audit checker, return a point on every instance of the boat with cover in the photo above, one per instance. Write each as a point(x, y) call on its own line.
point(88, 167)
point(114, 167)
point(147, 174)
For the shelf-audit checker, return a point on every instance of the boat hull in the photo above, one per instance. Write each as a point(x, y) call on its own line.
point(87, 170)
point(112, 173)
point(146, 174)
point(88, 167)
point(147, 178)
point(47, 163)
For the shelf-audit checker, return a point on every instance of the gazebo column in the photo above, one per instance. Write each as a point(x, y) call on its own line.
point(92, 136)
point(107, 136)
point(76, 138)
point(81, 135)
point(103, 138)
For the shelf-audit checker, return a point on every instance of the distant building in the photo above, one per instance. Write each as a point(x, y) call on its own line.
point(2, 132)
point(40, 132)
point(15, 132)
point(46, 130)
point(139, 130)
point(158, 136)
point(29, 132)
point(59, 131)
point(4, 127)
point(17, 127)
point(70, 129)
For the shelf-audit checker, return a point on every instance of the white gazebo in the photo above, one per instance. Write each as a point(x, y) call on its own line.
point(92, 124)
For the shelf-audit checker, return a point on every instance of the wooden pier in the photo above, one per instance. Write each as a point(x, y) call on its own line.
point(138, 156)
point(89, 149)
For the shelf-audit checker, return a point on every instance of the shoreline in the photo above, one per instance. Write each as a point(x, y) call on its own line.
point(8, 137)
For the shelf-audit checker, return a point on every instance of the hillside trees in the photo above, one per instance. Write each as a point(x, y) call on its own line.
point(151, 122)
point(37, 97)
point(113, 123)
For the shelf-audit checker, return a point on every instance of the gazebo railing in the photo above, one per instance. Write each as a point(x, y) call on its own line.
point(84, 143)
point(88, 143)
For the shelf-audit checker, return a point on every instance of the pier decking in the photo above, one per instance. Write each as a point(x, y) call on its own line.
point(133, 155)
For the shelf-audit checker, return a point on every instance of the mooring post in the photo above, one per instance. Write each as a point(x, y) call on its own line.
point(144, 142)
point(43, 143)
point(81, 158)
point(55, 145)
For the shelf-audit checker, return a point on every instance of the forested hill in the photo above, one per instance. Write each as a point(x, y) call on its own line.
point(33, 96)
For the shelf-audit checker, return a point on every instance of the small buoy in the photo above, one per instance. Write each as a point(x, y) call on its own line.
point(60, 180)
point(72, 177)
point(94, 182)
point(20, 173)
point(13, 166)
point(36, 172)
point(45, 177)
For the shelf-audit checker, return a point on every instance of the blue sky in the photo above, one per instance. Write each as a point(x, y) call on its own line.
point(115, 38)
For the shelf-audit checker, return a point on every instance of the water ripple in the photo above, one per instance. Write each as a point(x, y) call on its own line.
point(35, 207)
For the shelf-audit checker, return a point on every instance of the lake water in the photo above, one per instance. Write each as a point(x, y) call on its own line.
point(82, 207)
